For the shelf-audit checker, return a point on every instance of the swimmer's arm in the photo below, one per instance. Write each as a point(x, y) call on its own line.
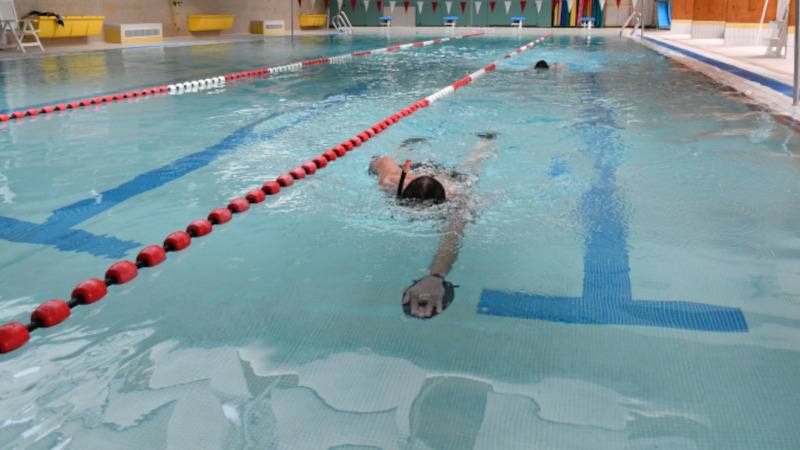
point(387, 169)
point(426, 296)
point(450, 245)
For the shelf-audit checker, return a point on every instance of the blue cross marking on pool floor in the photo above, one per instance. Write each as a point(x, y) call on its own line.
point(606, 297)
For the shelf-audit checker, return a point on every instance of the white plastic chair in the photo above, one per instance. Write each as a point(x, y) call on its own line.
point(18, 29)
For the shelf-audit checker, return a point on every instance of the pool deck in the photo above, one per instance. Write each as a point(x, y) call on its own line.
point(765, 79)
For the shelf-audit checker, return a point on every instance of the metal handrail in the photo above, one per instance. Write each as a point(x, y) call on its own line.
point(342, 23)
point(638, 23)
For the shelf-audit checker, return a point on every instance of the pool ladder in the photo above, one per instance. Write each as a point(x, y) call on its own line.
point(342, 23)
point(636, 17)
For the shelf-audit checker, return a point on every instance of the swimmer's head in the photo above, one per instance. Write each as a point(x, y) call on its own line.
point(541, 65)
point(425, 189)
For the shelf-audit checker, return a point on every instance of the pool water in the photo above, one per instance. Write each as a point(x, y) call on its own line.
point(623, 180)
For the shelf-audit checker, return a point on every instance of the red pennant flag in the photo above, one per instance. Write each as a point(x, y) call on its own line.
point(353, 4)
point(434, 6)
point(326, 4)
point(492, 4)
point(406, 5)
point(618, 4)
point(379, 6)
point(300, 2)
point(523, 5)
point(463, 5)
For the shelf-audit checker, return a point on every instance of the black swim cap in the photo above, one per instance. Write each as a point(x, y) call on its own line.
point(541, 64)
point(425, 188)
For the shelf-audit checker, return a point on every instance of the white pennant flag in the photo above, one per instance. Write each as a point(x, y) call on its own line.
point(339, 2)
point(312, 3)
point(508, 6)
point(477, 7)
point(569, 4)
point(539, 5)
point(366, 5)
point(602, 4)
point(391, 7)
point(448, 4)
point(634, 4)
point(419, 7)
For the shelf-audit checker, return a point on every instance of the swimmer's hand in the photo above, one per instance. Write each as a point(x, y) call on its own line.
point(425, 297)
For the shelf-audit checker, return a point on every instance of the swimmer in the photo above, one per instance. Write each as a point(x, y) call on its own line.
point(555, 67)
point(432, 294)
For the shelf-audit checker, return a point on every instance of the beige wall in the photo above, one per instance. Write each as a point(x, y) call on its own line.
point(163, 11)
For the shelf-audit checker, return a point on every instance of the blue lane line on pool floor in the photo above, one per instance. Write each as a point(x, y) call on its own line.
point(607, 298)
point(58, 230)
point(784, 89)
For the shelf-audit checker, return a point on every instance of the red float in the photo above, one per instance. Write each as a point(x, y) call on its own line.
point(320, 161)
point(340, 150)
point(330, 155)
point(199, 227)
point(90, 291)
point(309, 167)
point(118, 96)
point(32, 112)
point(85, 102)
point(239, 205)
point(297, 173)
point(271, 187)
point(60, 107)
point(47, 109)
point(108, 98)
point(370, 132)
point(356, 141)
point(145, 91)
point(4, 117)
point(177, 241)
point(128, 95)
point(18, 114)
point(363, 136)
point(256, 196)
point(122, 272)
point(51, 313)
point(220, 215)
point(12, 336)
point(73, 105)
point(377, 128)
point(150, 256)
point(137, 93)
point(97, 100)
point(347, 146)
point(285, 180)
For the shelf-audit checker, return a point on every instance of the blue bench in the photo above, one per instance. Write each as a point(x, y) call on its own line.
point(517, 21)
point(450, 21)
point(386, 21)
point(587, 22)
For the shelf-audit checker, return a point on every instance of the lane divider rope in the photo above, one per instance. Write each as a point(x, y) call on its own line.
point(14, 334)
point(211, 82)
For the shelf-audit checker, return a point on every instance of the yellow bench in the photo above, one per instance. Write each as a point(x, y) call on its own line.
point(73, 26)
point(210, 22)
point(313, 20)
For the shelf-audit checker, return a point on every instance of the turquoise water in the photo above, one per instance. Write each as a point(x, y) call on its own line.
point(283, 328)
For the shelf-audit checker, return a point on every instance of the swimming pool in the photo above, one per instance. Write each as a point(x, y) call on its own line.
point(625, 179)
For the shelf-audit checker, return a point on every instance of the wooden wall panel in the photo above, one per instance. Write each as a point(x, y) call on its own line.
point(682, 9)
point(710, 10)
